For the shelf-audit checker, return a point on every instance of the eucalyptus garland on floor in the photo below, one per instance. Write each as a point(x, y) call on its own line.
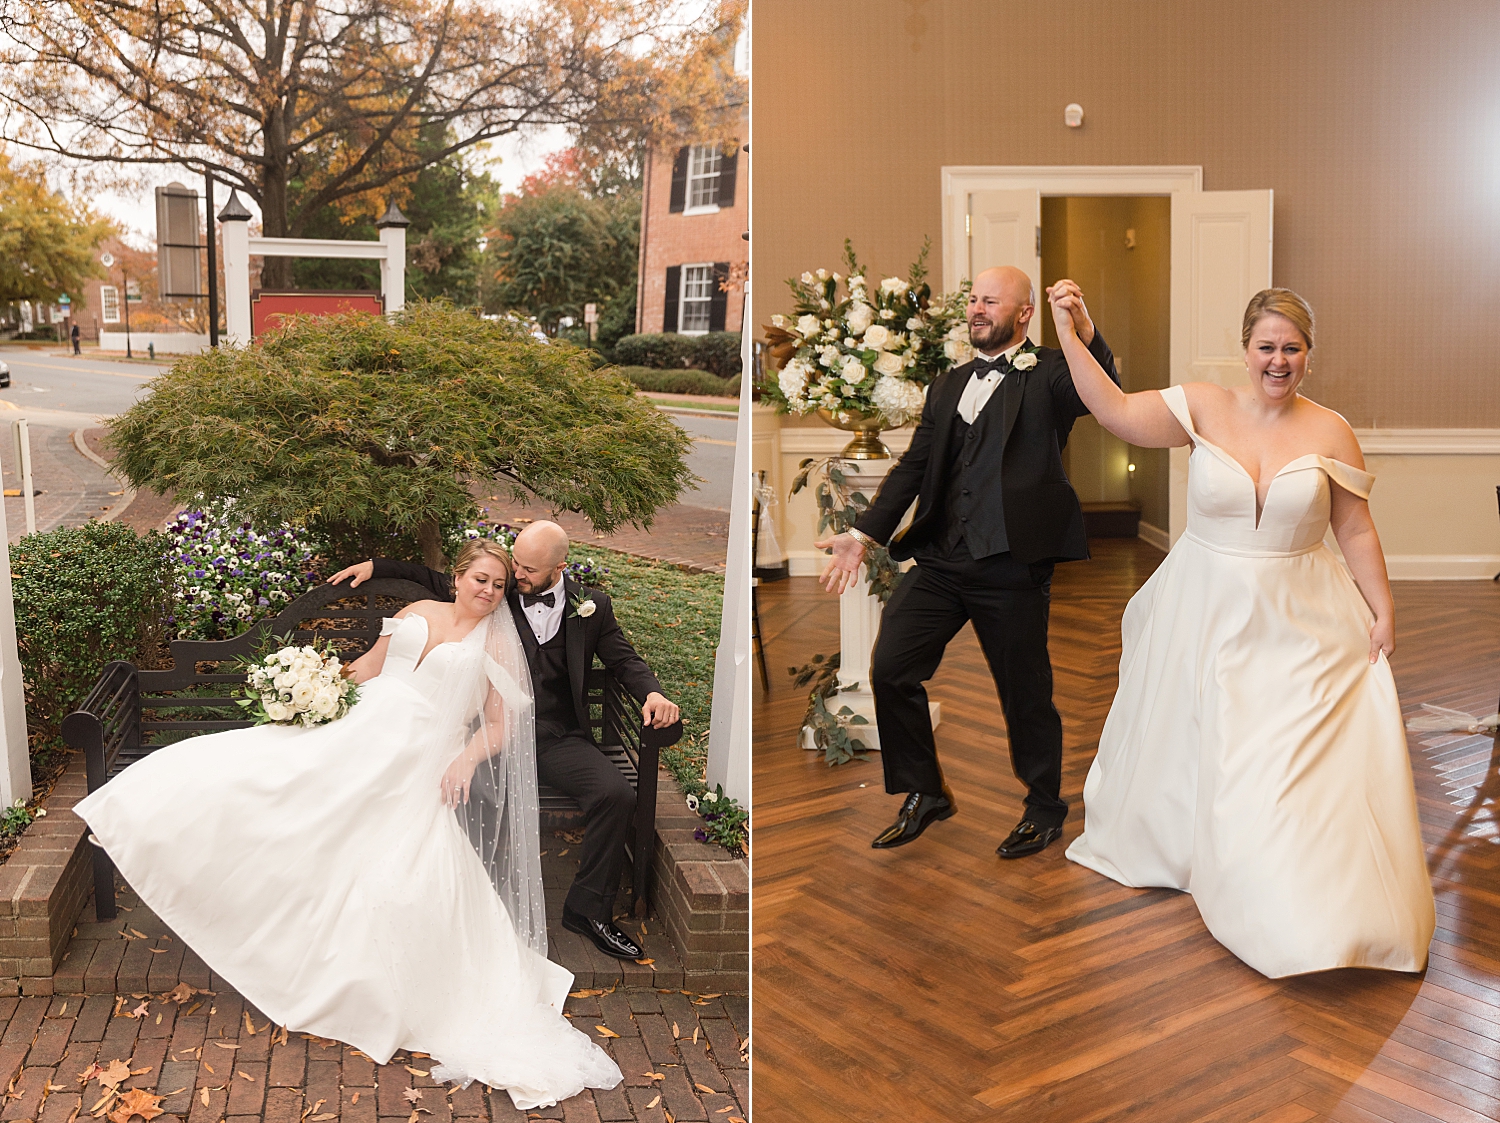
point(839, 507)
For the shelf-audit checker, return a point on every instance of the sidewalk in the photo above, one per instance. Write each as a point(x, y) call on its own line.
point(213, 1058)
point(694, 537)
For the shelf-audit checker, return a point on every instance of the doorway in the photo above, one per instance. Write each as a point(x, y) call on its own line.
point(1119, 250)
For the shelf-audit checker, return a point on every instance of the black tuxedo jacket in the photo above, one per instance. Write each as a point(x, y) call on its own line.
point(583, 636)
point(1021, 449)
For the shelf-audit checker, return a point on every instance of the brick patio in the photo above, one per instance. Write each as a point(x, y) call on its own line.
point(679, 1052)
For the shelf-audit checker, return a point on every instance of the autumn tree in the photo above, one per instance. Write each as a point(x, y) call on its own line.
point(344, 96)
point(47, 245)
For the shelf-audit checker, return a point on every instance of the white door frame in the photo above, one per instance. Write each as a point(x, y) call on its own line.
point(958, 182)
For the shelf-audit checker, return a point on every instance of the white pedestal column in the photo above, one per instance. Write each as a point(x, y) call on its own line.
point(236, 238)
point(859, 625)
point(15, 777)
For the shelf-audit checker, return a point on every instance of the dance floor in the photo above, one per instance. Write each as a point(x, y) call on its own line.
point(938, 982)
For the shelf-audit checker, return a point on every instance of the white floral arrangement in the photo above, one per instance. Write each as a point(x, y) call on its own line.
point(298, 686)
point(864, 351)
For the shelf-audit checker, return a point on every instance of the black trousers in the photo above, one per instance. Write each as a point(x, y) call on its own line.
point(1008, 602)
point(571, 763)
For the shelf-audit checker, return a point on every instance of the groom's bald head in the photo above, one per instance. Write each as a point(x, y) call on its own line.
point(539, 553)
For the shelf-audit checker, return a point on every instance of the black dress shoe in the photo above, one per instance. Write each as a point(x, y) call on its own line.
point(604, 935)
point(1028, 838)
point(917, 811)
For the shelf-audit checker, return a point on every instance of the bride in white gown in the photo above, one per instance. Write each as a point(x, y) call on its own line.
point(329, 874)
point(1254, 755)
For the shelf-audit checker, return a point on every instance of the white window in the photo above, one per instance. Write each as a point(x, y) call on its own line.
point(109, 304)
point(703, 179)
point(697, 297)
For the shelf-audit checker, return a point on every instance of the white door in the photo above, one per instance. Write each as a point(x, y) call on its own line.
point(1005, 228)
point(1221, 257)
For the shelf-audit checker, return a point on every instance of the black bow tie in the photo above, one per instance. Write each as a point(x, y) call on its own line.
point(985, 367)
point(529, 599)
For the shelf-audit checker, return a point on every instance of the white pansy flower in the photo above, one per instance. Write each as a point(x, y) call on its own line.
point(887, 363)
point(894, 286)
point(859, 317)
point(1024, 361)
point(877, 336)
point(897, 398)
point(809, 325)
point(807, 278)
point(853, 371)
point(778, 320)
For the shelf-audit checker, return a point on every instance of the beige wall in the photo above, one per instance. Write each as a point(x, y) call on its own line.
point(1376, 123)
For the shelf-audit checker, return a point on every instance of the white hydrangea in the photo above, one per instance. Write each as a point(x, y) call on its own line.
point(828, 355)
point(894, 286)
point(898, 398)
point(793, 379)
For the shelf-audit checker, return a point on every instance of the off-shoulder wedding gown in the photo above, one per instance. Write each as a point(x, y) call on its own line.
point(319, 873)
point(1253, 755)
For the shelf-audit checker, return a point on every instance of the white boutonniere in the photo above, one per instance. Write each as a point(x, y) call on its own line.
point(584, 606)
point(1024, 360)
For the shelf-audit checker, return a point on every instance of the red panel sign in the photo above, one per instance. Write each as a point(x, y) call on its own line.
point(269, 309)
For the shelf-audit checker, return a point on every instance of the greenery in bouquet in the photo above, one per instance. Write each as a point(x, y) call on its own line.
point(850, 348)
point(297, 685)
point(227, 575)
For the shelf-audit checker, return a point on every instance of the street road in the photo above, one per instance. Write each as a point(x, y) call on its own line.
point(59, 393)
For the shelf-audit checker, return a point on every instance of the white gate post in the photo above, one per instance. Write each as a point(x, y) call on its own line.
point(236, 230)
point(15, 777)
point(392, 227)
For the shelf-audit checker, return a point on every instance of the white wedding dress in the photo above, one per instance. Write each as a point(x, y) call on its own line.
point(319, 873)
point(1253, 755)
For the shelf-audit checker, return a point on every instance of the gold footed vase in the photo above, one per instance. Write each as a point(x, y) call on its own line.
point(866, 428)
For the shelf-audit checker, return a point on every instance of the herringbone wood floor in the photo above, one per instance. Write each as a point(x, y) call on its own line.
point(938, 982)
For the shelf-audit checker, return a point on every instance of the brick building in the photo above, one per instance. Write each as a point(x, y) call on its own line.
point(694, 215)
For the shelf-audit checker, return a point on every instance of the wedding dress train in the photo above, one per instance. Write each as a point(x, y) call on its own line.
point(319, 873)
point(1253, 755)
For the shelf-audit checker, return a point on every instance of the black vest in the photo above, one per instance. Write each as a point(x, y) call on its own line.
point(549, 676)
point(961, 502)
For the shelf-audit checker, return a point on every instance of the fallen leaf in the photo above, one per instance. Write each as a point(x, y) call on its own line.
point(60, 1088)
point(421, 1056)
point(140, 1011)
point(645, 962)
point(180, 994)
point(415, 1071)
point(158, 1019)
point(735, 1119)
point(695, 1035)
point(357, 1053)
point(723, 1110)
point(137, 1101)
point(354, 1099)
point(112, 1073)
point(585, 993)
point(704, 1088)
point(63, 1011)
point(140, 1071)
point(411, 1095)
point(225, 1045)
point(668, 1114)
point(655, 1075)
point(308, 1111)
point(188, 1013)
point(158, 951)
point(320, 1117)
point(249, 1025)
point(119, 1001)
point(203, 1096)
point(606, 1032)
point(139, 935)
point(174, 1092)
point(244, 1075)
point(676, 1033)
point(562, 853)
point(209, 1067)
point(654, 1102)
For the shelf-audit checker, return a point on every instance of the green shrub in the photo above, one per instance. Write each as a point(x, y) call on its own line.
point(83, 596)
point(681, 381)
point(718, 352)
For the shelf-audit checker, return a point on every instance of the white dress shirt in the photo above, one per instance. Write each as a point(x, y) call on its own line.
point(977, 393)
point(545, 620)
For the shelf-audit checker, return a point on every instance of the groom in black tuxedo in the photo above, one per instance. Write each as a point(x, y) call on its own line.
point(562, 627)
point(994, 513)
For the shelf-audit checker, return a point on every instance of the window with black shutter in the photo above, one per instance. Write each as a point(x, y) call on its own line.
point(674, 286)
point(679, 182)
point(728, 165)
point(719, 299)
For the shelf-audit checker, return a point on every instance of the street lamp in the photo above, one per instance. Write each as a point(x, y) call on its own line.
point(107, 260)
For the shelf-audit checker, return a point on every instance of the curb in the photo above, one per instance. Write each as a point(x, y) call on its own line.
point(129, 495)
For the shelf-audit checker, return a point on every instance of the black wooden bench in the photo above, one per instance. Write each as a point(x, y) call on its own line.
point(132, 712)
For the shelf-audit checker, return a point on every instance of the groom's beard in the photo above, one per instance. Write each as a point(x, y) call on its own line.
point(994, 336)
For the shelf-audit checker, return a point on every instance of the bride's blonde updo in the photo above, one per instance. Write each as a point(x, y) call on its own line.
point(476, 548)
point(1278, 302)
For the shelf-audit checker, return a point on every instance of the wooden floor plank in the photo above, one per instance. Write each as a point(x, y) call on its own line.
point(939, 982)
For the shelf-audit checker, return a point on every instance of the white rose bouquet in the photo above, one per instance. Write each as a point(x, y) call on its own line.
point(298, 686)
point(864, 350)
